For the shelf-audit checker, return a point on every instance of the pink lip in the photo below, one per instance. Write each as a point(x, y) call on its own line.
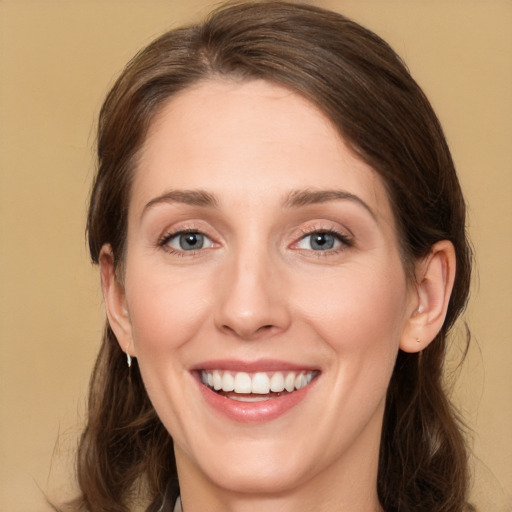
point(261, 365)
point(252, 412)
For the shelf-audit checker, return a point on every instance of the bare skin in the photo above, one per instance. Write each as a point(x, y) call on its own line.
point(257, 238)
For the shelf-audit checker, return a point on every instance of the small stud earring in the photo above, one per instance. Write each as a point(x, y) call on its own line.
point(420, 309)
point(128, 357)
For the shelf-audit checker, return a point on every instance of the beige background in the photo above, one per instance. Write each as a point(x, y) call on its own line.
point(57, 59)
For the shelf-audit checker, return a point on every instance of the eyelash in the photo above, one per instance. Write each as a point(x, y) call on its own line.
point(344, 240)
point(167, 237)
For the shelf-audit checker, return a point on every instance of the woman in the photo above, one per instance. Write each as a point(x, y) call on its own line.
point(281, 239)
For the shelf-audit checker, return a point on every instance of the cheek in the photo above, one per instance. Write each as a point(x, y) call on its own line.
point(358, 309)
point(165, 310)
point(359, 315)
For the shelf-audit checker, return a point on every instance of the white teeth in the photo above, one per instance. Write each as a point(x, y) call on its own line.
point(260, 383)
point(228, 382)
point(217, 380)
point(243, 383)
point(289, 382)
point(300, 381)
point(277, 382)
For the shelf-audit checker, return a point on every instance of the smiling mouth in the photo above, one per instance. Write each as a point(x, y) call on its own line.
point(255, 387)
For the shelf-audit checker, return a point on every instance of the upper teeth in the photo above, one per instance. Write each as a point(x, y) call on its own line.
point(260, 382)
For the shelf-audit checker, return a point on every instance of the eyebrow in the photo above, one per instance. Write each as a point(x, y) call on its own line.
point(294, 199)
point(190, 197)
point(306, 197)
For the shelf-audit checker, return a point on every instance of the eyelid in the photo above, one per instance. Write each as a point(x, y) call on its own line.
point(336, 242)
point(176, 236)
point(345, 240)
point(170, 234)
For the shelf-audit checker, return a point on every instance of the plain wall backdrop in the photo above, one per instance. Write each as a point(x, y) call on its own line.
point(57, 61)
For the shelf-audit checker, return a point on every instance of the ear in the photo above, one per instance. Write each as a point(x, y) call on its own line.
point(435, 275)
point(115, 300)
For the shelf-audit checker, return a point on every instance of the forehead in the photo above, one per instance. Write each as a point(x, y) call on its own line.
point(230, 136)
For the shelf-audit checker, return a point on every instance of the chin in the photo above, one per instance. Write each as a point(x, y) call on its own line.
point(262, 467)
point(261, 478)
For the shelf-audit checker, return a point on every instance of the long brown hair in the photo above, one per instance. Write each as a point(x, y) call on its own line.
point(359, 82)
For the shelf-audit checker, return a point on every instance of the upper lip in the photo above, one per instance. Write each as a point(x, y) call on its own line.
point(260, 365)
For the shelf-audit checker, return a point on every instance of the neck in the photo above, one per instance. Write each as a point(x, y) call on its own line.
point(368, 504)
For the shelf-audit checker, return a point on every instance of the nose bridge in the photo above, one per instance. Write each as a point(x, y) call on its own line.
point(251, 302)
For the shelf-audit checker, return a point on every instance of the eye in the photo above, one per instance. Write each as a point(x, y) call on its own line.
point(321, 241)
point(187, 241)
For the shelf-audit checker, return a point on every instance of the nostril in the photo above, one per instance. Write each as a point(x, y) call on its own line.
point(227, 328)
point(249, 333)
point(265, 328)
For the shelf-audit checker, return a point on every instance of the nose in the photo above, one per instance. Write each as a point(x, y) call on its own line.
point(253, 303)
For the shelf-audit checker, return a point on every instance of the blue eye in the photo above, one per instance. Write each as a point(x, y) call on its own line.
point(188, 241)
point(320, 241)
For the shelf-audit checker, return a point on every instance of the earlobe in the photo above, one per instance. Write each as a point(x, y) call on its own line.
point(115, 300)
point(435, 276)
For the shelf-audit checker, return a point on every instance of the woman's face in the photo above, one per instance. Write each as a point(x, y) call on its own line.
point(262, 257)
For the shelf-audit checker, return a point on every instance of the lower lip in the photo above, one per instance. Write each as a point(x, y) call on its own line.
point(254, 412)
